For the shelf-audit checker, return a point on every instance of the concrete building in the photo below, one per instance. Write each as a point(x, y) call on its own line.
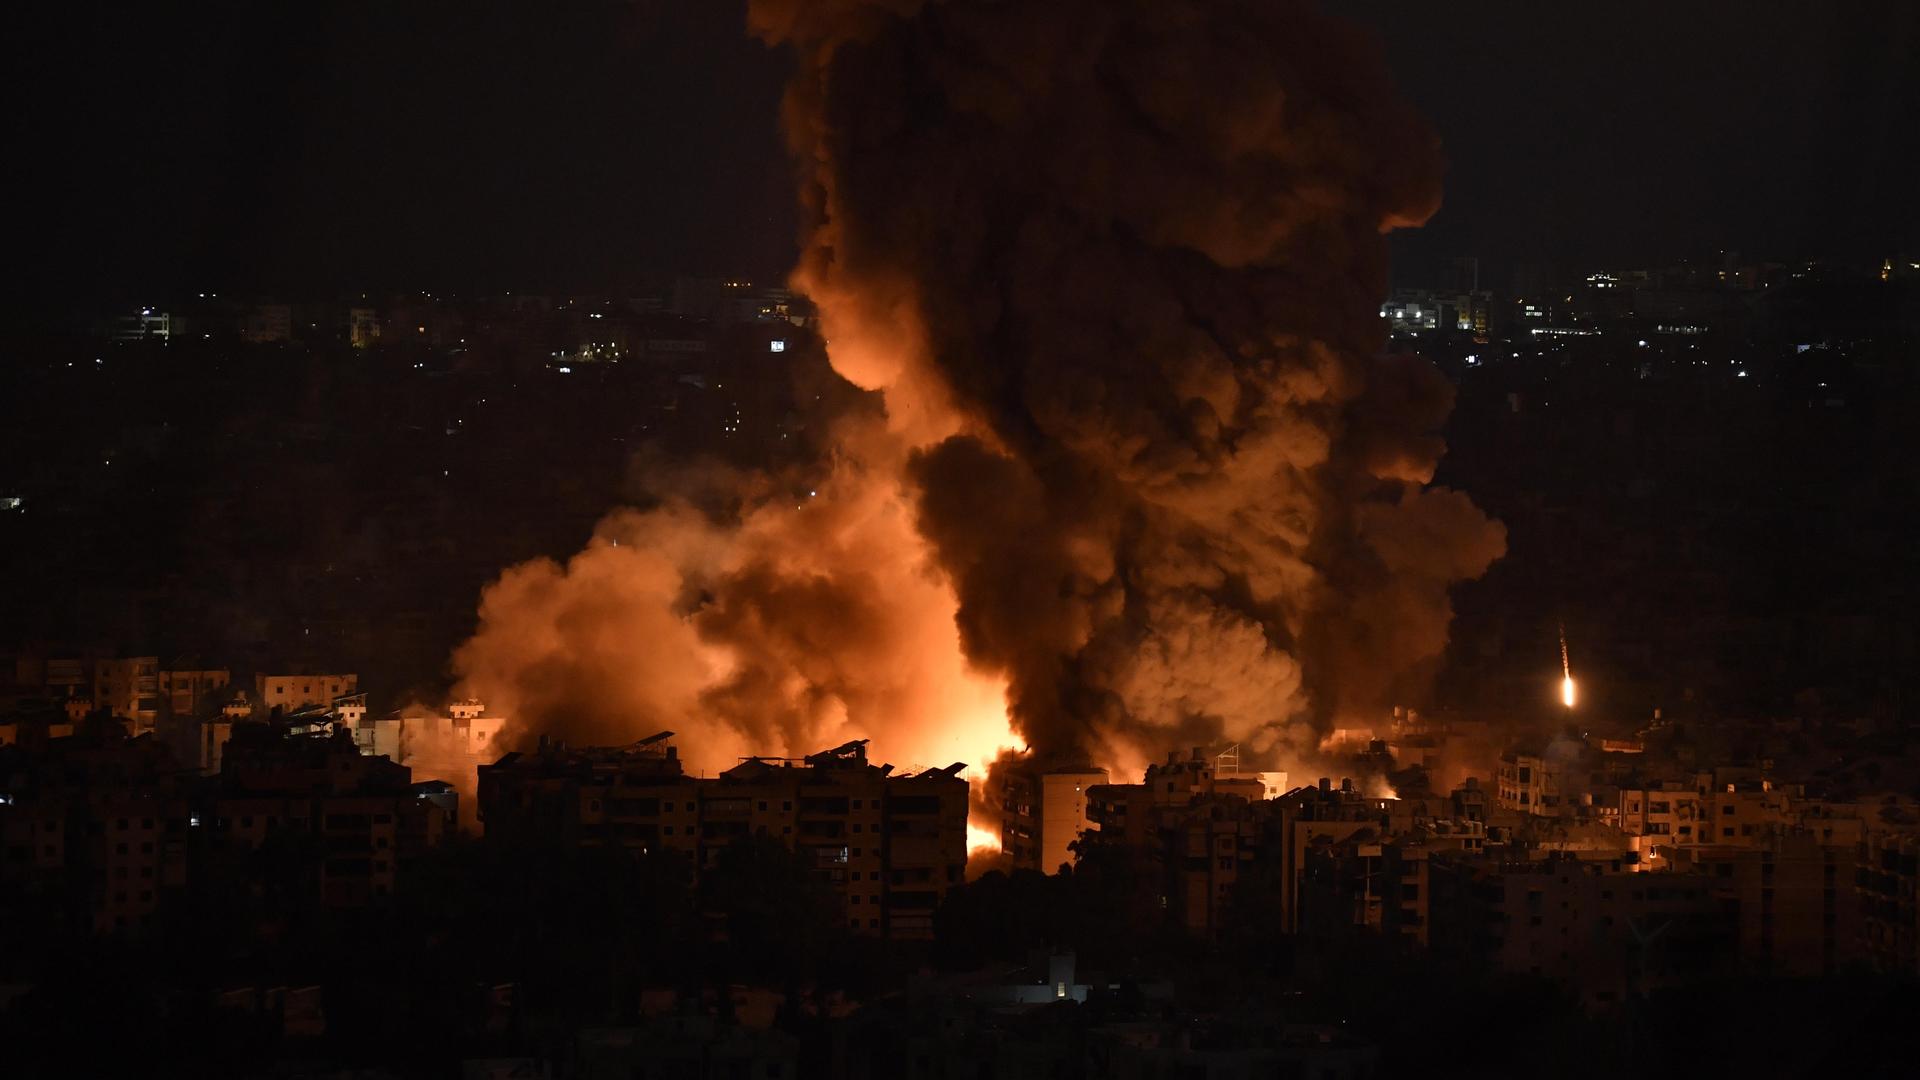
point(1529, 784)
point(1745, 813)
point(289, 692)
point(189, 687)
point(1042, 811)
point(1664, 813)
point(889, 846)
point(1887, 885)
point(1201, 827)
point(1605, 931)
point(1796, 910)
point(93, 829)
point(320, 789)
point(129, 687)
point(458, 739)
point(1063, 814)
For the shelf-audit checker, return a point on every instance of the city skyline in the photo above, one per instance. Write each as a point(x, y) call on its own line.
point(962, 538)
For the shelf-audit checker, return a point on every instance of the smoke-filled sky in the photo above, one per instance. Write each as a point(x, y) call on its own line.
point(1134, 461)
point(456, 145)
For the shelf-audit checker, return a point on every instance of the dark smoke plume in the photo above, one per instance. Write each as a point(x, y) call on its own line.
point(1116, 266)
point(1141, 479)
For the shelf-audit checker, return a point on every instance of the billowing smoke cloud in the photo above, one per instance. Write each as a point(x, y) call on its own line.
point(1114, 268)
point(748, 620)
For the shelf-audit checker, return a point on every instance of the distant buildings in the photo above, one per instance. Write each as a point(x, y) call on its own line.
point(99, 828)
point(889, 846)
point(1602, 862)
point(146, 324)
point(1416, 310)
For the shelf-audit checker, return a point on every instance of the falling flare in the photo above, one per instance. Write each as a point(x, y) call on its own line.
point(1566, 671)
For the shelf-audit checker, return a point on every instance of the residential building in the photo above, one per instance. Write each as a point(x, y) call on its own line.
point(1043, 812)
point(129, 687)
point(1887, 884)
point(189, 687)
point(1796, 910)
point(320, 790)
point(288, 692)
point(888, 846)
point(1605, 931)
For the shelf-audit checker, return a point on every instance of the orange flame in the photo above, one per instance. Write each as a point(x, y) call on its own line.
point(1566, 671)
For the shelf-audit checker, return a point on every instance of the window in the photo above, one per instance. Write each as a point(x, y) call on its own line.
point(763, 805)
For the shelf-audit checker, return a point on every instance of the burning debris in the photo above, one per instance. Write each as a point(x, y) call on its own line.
point(1114, 270)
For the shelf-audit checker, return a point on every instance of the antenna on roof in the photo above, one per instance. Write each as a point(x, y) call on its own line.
point(1227, 762)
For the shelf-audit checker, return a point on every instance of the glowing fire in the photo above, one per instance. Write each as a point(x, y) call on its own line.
point(985, 834)
point(1566, 671)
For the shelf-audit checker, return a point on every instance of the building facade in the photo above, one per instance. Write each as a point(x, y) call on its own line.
point(889, 847)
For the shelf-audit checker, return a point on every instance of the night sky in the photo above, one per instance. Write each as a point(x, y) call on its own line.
point(247, 147)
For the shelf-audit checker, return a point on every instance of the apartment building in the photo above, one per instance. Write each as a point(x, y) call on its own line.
point(289, 692)
point(889, 846)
